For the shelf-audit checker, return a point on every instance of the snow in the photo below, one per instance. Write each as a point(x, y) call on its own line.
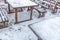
point(46, 27)
point(44, 32)
point(21, 3)
point(17, 32)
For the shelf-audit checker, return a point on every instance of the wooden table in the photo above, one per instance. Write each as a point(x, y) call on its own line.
point(21, 4)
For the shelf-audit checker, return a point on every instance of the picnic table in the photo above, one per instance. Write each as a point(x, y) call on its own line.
point(16, 4)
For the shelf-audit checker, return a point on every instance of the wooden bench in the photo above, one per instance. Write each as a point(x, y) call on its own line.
point(41, 12)
point(45, 4)
point(55, 9)
point(3, 17)
point(58, 5)
point(52, 5)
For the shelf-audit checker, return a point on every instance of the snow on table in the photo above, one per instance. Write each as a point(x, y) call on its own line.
point(48, 29)
point(21, 3)
point(17, 32)
point(2, 3)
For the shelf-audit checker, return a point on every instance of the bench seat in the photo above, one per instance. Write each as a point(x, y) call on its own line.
point(41, 12)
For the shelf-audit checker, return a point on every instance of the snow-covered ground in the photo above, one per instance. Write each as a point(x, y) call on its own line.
point(17, 32)
point(48, 29)
point(10, 35)
point(22, 32)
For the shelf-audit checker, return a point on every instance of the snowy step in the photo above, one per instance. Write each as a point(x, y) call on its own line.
point(47, 29)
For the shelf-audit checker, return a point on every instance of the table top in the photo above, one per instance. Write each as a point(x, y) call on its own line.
point(21, 3)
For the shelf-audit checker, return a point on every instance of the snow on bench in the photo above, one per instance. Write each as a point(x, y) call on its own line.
point(41, 12)
point(3, 15)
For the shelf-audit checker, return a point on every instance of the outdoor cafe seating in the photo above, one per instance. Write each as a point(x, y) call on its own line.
point(40, 6)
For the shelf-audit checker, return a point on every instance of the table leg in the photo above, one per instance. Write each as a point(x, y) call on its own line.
point(21, 9)
point(5, 1)
point(28, 9)
point(31, 9)
point(8, 8)
point(4, 24)
point(39, 15)
point(16, 16)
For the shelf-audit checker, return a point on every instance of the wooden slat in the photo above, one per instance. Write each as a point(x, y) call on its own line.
point(5, 14)
point(0, 17)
